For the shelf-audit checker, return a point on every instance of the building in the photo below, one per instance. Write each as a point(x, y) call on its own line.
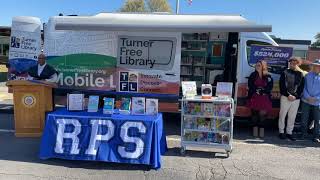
point(4, 43)
point(300, 47)
point(313, 54)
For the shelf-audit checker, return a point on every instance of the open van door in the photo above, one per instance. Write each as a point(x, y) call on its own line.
point(245, 69)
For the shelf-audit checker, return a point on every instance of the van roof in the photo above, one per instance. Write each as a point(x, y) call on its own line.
point(158, 22)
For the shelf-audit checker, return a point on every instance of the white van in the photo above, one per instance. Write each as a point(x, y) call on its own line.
point(150, 54)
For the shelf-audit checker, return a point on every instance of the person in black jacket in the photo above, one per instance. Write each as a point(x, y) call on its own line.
point(259, 96)
point(43, 71)
point(291, 88)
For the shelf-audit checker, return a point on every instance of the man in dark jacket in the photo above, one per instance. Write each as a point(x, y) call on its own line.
point(291, 88)
point(43, 71)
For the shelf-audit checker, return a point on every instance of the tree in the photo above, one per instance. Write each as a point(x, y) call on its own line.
point(159, 6)
point(146, 6)
point(317, 42)
point(133, 6)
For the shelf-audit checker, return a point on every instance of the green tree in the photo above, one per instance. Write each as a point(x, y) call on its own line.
point(146, 6)
point(133, 6)
point(317, 42)
point(159, 6)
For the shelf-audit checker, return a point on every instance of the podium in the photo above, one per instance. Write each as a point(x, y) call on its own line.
point(32, 99)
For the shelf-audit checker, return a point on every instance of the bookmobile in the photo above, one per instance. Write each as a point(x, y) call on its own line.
point(143, 55)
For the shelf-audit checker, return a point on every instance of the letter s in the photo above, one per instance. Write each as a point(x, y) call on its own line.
point(138, 141)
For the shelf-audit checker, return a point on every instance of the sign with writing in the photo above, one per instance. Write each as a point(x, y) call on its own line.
point(271, 54)
point(276, 57)
point(25, 46)
point(116, 138)
point(138, 52)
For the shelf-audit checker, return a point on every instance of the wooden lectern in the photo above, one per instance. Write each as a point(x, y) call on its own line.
point(32, 99)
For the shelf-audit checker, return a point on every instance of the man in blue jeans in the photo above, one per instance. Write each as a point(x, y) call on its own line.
point(311, 100)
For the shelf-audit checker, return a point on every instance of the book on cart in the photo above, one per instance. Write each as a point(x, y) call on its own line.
point(207, 123)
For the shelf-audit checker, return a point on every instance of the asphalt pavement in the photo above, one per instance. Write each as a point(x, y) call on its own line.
point(251, 158)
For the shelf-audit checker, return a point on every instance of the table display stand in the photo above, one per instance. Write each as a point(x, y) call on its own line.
point(207, 123)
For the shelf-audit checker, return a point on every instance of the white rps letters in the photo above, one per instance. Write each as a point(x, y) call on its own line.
point(61, 135)
point(124, 136)
point(96, 136)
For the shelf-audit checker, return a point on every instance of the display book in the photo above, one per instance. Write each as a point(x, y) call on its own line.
point(134, 105)
point(207, 123)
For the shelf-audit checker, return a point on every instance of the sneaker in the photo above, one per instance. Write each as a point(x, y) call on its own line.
point(317, 140)
point(289, 136)
point(282, 136)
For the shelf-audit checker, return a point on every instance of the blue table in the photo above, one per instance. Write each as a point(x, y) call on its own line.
point(135, 139)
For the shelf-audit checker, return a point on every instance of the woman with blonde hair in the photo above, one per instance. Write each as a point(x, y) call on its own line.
point(260, 85)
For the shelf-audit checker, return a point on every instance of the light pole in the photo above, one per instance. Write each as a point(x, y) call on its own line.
point(177, 6)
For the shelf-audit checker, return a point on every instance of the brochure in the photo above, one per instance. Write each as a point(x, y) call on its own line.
point(151, 106)
point(125, 105)
point(93, 104)
point(108, 105)
point(138, 105)
point(224, 89)
point(189, 89)
point(75, 102)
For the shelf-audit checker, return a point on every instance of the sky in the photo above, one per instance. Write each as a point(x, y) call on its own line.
point(290, 19)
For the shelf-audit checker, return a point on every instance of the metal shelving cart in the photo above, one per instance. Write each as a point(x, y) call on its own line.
point(207, 123)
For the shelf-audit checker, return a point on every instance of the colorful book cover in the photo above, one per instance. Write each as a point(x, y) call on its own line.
point(187, 136)
point(138, 105)
point(224, 89)
point(225, 139)
point(75, 102)
point(207, 109)
point(151, 106)
point(223, 125)
point(125, 105)
point(201, 123)
point(93, 103)
point(211, 137)
point(223, 110)
point(202, 137)
point(108, 105)
point(194, 136)
point(189, 89)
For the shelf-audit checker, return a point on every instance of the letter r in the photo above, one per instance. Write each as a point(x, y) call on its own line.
point(71, 135)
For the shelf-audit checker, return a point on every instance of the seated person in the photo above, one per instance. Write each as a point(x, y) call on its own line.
point(43, 71)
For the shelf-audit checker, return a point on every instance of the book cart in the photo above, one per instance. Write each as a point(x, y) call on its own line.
point(207, 123)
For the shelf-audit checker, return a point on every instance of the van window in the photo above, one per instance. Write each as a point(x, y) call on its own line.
point(252, 42)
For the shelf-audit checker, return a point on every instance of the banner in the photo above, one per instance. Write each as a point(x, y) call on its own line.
point(117, 138)
point(25, 46)
point(130, 62)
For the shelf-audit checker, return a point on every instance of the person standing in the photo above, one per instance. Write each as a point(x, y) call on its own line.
point(311, 101)
point(260, 85)
point(291, 88)
point(43, 71)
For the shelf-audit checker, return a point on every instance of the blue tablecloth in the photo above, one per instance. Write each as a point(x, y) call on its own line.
point(118, 138)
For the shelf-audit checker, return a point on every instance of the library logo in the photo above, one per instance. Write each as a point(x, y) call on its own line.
point(128, 81)
point(15, 42)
